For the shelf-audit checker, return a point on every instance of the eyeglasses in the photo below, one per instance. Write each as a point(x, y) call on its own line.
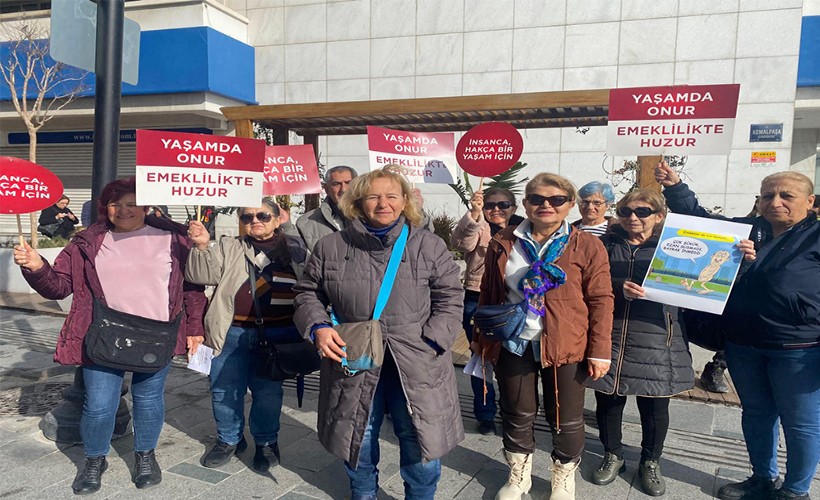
point(641, 212)
point(555, 201)
point(594, 203)
point(260, 216)
point(502, 205)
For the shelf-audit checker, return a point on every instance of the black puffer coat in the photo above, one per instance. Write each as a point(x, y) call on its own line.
point(650, 356)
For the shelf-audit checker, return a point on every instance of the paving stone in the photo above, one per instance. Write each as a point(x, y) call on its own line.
point(198, 472)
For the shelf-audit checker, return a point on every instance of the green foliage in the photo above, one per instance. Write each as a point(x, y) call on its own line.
point(504, 180)
point(443, 226)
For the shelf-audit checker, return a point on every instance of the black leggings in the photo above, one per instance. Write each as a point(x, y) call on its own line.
point(654, 423)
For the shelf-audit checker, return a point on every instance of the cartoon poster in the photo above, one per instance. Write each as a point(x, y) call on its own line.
point(695, 263)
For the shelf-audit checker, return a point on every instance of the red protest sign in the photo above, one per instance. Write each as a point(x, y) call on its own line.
point(489, 149)
point(26, 187)
point(176, 168)
point(291, 170)
point(423, 157)
point(681, 119)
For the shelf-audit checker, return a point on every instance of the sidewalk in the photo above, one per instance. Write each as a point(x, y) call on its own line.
point(703, 451)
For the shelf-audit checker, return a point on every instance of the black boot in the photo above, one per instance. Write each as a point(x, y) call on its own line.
point(713, 379)
point(265, 456)
point(90, 479)
point(146, 469)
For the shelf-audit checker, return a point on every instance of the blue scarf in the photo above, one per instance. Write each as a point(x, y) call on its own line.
point(380, 233)
point(544, 274)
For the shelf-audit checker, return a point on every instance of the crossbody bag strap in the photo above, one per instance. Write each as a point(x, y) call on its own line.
point(390, 274)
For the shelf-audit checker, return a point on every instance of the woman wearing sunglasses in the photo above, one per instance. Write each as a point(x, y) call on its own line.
point(650, 358)
point(230, 326)
point(489, 213)
point(563, 276)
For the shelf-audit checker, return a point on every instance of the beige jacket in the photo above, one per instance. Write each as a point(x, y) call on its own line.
point(225, 265)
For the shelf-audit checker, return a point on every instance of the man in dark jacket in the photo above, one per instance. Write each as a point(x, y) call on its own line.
point(327, 219)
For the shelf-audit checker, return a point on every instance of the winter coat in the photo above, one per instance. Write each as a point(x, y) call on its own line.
point(649, 354)
point(225, 265)
point(73, 270)
point(318, 223)
point(776, 300)
point(473, 238)
point(420, 323)
point(578, 321)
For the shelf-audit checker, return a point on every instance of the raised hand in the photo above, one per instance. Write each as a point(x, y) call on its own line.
point(198, 235)
point(666, 175)
point(476, 205)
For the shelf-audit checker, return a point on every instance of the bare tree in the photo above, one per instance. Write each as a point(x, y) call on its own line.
point(39, 86)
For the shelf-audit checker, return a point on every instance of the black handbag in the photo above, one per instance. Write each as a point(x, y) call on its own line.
point(704, 329)
point(49, 229)
point(280, 360)
point(128, 342)
point(501, 322)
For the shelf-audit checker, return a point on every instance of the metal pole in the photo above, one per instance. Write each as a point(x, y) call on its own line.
point(108, 91)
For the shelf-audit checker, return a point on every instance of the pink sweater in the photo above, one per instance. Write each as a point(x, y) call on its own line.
point(135, 270)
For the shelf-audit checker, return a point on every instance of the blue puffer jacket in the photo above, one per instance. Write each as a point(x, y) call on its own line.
point(776, 301)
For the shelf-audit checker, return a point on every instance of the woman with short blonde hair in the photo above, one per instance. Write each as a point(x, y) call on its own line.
point(351, 201)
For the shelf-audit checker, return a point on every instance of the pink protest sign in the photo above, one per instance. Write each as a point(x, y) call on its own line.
point(291, 170)
point(681, 119)
point(176, 168)
point(26, 187)
point(423, 157)
point(489, 149)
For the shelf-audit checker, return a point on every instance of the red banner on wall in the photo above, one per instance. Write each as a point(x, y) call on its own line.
point(291, 170)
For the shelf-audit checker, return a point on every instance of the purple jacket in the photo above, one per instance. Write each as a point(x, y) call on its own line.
point(73, 272)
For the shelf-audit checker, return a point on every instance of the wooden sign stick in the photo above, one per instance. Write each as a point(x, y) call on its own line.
point(20, 231)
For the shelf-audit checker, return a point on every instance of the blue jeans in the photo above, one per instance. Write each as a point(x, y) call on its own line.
point(480, 410)
point(102, 398)
point(779, 385)
point(233, 372)
point(420, 479)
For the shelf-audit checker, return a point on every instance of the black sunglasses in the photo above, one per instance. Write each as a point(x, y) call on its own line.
point(503, 205)
point(555, 201)
point(641, 212)
point(260, 216)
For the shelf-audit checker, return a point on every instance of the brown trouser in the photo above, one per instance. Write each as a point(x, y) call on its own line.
point(518, 393)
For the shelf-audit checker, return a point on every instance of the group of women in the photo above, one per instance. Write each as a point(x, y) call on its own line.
point(585, 327)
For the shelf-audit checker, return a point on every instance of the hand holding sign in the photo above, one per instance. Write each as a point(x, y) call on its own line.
point(198, 234)
point(25, 256)
point(666, 175)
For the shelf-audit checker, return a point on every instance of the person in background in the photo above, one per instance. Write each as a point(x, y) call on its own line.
point(595, 200)
point(772, 324)
point(230, 326)
point(815, 207)
point(419, 325)
point(328, 218)
point(651, 359)
point(136, 264)
point(160, 211)
point(85, 214)
point(489, 213)
point(563, 276)
point(60, 214)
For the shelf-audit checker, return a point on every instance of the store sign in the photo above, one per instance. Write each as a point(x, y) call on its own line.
point(86, 136)
point(26, 187)
point(772, 132)
point(489, 149)
point(291, 170)
point(197, 169)
point(764, 158)
point(422, 157)
point(681, 120)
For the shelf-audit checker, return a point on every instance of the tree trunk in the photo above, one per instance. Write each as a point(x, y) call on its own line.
point(32, 157)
